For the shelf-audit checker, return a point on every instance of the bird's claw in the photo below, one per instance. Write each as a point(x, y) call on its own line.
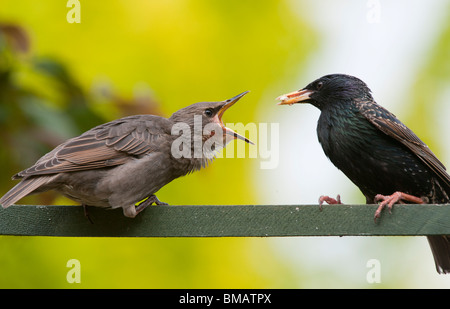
point(149, 201)
point(329, 200)
point(390, 200)
point(86, 213)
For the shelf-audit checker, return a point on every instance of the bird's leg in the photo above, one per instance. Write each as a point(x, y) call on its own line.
point(150, 200)
point(86, 213)
point(390, 200)
point(329, 200)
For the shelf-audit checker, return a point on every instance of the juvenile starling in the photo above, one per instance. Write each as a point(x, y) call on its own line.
point(122, 162)
point(376, 151)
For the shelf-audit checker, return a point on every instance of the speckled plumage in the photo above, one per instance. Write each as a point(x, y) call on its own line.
point(389, 162)
point(376, 151)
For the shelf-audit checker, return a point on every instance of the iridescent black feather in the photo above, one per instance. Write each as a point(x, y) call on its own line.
point(375, 149)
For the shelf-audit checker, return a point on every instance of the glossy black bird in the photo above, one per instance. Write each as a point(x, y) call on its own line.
point(379, 154)
point(122, 162)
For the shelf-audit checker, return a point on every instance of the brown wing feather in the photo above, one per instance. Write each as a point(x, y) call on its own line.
point(110, 144)
point(386, 122)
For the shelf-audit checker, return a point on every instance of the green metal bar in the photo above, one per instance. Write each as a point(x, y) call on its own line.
point(227, 221)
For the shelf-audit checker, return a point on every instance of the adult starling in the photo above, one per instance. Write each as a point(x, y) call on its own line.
point(122, 162)
point(379, 154)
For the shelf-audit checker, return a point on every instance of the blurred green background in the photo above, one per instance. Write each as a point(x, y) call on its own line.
point(58, 79)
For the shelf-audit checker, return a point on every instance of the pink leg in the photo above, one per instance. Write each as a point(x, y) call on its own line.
point(329, 200)
point(390, 200)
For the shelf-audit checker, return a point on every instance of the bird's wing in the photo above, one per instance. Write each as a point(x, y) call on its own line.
point(110, 144)
point(386, 122)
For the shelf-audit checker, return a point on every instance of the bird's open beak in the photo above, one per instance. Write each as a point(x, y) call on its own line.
point(228, 103)
point(301, 96)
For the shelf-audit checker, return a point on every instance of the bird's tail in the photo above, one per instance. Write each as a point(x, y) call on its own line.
point(440, 247)
point(22, 189)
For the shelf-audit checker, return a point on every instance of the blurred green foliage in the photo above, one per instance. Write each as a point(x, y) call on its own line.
point(430, 84)
point(130, 57)
point(127, 57)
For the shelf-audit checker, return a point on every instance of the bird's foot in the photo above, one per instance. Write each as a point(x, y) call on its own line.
point(390, 200)
point(86, 213)
point(329, 200)
point(149, 201)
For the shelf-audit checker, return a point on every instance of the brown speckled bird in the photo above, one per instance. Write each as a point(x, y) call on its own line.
point(379, 154)
point(122, 162)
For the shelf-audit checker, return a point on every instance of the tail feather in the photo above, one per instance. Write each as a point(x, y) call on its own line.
point(23, 188)
point(440, 247)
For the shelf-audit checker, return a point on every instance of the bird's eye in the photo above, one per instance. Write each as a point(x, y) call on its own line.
point(208, 112)
point(319, 85)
